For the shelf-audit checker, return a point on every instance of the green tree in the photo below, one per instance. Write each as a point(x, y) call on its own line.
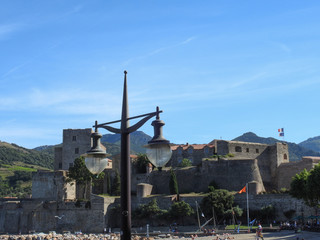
point(306, 186)
point(298, 186)
point(185, 163)
point(173, 183)
point(141, 163)
point(179, 210)
point(237, 211)
point(115, 188)
point(149, 210)
point(221, 200)
point(80, 173)
point(313, 187)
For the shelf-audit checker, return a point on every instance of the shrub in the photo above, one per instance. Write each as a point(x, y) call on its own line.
point(173, 184)
point(179, 210)
point(185, 163)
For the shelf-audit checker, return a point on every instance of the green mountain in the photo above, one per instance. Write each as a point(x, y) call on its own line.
point(10, 153)
point(16, 167)
point(137, 140)
point(296, 152)
point(312, 144)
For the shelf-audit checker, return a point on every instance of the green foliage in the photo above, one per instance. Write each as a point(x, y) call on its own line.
point(266, 213)
point(313, 186)
point(20, 176)
point(81, 175)
point(298, 186)
point(185, 163)
point(221, 200)
point(79, 172)
point(212, 186)
point(12, 153)
point(306, 186)
point(150, 210)
point(115, 188)
point(173, 184)
point(180, 209)
point(18, 185)
point(141, 163)
point(237, 211)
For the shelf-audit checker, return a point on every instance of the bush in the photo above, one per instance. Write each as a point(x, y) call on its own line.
point(185, 163)
point(141, 163)
point(179, 210)
point(149, 211)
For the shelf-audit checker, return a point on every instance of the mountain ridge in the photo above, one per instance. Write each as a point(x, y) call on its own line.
point(296, 152)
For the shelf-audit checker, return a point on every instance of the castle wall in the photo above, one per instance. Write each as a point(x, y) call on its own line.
point(57, 158)
point(281, 202)
point(240, 149)
point(42, 216)
point(51, 186)
point(286, 171)
point(228, 174)
point(195, 153)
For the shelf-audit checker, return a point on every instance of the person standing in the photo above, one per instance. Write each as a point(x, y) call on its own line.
point(259, 232)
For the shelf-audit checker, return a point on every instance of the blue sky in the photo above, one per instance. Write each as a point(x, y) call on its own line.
point(217, 69)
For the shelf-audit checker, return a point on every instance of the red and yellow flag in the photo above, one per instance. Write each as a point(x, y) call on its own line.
point(243, 190)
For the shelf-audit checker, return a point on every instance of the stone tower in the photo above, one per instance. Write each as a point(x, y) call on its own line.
point(75, 143)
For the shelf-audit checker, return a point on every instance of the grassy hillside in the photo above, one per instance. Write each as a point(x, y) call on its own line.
point(15, 179)
point(10, 153)
point(16, 167)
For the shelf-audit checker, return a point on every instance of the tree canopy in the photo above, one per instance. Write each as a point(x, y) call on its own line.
point(79, 172)
point(221, 200)
point(306, 186)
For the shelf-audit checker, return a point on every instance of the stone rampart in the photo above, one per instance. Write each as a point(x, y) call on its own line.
point(52, 186)
point(286, 171)
point(226, 173)
point(281, 202)
point(44, 216)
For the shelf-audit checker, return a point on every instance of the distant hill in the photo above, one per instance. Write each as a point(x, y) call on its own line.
point(137, 140)
point(312, 144)
point(296, 152)
point(10, 153)
point(49, 149)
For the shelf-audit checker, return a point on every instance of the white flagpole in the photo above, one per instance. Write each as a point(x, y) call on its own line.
point(248, 205)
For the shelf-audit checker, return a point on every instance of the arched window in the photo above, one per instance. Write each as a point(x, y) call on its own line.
point(285, 157)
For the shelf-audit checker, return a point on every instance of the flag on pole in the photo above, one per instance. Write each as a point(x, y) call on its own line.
point(243, 190)
point(281, 132)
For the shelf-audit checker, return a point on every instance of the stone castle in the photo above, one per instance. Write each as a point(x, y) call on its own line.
point(229, 164)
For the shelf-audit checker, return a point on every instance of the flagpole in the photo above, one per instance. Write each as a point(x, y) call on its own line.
point(247, 205)
point(198, 216)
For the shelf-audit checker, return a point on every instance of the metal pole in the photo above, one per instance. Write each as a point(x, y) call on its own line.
point(247, 190)
point(125, 168)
